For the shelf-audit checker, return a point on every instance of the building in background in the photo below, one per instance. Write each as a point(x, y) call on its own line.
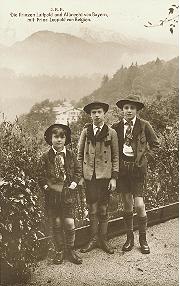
point(66, 113)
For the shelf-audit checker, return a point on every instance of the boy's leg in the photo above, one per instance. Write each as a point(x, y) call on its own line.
point(128, 201)
point(69, 228)
point(93, 228)
point(142, 224)
point(103, 227)
point(58, 239)
point(56, 224)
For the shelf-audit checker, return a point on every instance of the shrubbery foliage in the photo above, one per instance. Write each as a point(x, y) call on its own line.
point(21, 201)
point(20, 211)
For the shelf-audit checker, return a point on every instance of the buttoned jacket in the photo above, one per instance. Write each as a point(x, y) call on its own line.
point(145, 143)
point(99, 155)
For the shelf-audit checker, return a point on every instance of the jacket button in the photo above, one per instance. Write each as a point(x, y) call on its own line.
point(104, 151)
point(105, 161)
point(86, 152)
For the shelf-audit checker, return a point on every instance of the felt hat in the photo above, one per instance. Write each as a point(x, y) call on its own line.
point(131, 99)
point(96, 104)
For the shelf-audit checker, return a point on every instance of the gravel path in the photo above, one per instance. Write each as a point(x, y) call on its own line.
point(160, 267)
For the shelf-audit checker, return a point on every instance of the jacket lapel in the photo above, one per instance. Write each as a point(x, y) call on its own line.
point(103, 133)
point(120, 133)
point(90, 134)
point(67, 159)
point(137, 129)
point(51, 155)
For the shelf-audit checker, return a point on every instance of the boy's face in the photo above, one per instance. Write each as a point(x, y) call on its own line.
point(97, 115)
point(58, 139)
point(129, 111)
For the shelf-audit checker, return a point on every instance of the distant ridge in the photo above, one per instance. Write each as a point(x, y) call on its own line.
point(155, 78)
point(62, 54)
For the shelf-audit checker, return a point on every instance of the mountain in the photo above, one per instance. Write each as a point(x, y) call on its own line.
point(154, 79)
point(61, 54)
point(20, 92)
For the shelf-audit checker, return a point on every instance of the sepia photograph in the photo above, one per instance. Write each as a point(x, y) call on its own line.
point(89, 143)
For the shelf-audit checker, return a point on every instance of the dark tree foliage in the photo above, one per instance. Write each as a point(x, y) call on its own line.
point(40, 116)
point(145, 80)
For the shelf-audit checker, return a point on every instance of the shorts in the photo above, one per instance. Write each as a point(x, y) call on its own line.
point(131, 180)
point(128, 184)
point(97, 191)
point(60, 203)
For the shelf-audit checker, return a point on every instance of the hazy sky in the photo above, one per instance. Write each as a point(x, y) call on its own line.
point(124, 17)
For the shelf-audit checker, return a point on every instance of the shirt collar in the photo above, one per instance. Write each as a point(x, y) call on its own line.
point(133, 120)
point(96, 127)
point(63, 150)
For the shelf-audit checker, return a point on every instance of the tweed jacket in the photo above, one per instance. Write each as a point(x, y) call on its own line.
point(145, 142)
point(99, 155)
point(46, 171)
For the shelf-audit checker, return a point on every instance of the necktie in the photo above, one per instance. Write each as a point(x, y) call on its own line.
point(128, 134)
point(59, 167)
point(98, 131)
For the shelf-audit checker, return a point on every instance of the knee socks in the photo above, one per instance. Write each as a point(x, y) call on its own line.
point(128, 219)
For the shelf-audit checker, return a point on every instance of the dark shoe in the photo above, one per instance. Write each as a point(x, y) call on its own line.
point(58, 259)
point(91, 245)
point(143, 244)
point(73, 257)
point(105, 245)
point(129, 242)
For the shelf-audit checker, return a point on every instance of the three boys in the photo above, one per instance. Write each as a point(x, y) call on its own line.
point(106, 156)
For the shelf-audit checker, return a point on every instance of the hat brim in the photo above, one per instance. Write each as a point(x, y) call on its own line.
point(48, 133)
point(92, 105)
point(122, 102)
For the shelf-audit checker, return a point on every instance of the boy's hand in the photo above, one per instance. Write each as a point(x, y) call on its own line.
point(72, 186)
point(112, 185)
point(81, 182)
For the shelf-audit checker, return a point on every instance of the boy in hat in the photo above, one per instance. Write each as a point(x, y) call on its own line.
point(98, 155)
point(134, 134)
point(58, 176)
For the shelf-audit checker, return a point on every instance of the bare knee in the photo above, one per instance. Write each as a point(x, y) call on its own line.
point(140, 206)
point(102, 209)
point(57, 222)
point(93, 208)
point(69, 223)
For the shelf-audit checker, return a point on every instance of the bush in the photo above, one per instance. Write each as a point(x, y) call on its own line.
point(20, 209)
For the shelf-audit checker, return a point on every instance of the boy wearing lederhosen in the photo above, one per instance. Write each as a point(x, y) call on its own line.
point(137, 144)
point(58, 176)
point(99, 158)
